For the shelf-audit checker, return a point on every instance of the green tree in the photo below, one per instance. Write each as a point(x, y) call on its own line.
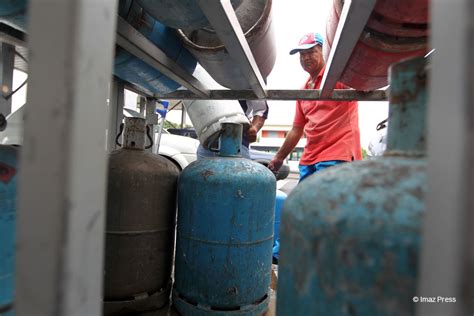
point(364, 153)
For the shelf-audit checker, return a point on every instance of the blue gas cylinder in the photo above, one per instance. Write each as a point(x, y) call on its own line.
point(351, 234)
point(8, 180)
point(179, 14)
point(13, 13)
point(131, 69)
point(280, 199)
point(225, 233)
point(126, 66)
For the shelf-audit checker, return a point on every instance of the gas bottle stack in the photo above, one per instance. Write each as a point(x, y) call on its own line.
point(348, 248)
point(224, 231)
point(168, 24)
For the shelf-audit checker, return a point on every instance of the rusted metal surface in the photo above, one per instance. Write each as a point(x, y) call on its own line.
point(141, 212)
point(225, 237)
point(407, 112)
point(351, 246)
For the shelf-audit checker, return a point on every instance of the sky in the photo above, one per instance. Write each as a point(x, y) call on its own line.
point(291, 20)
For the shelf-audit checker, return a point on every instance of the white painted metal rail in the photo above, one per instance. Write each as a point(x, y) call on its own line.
point(354, 16)
point(225, 23)
point(62, 180)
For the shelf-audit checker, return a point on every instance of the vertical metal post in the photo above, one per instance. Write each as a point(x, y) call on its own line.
point(116, 103)
point(183, 115)
point(141, 104)
point(60, 226)
point(447, 261)
point(151, 118)
point(7, 61)
point(353, 19)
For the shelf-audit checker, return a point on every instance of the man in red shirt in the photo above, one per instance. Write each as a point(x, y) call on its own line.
point(331, 127)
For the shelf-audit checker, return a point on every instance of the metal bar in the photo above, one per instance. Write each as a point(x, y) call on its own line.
point(7, 62)
point(11, 35)
point(353, 19)
point(116, 104)
point(62, 173)
point(225, 23)
point(151, 117)
point(135, 43)
point(336, 95)
point(137, 90)
point(141, 104)
point(183, 116)
point(447, 256)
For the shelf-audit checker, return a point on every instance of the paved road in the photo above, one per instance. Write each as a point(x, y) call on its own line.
point(288, 184)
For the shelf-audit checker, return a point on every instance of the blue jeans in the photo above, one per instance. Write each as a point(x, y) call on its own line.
point(206, 153)
point(308, 170)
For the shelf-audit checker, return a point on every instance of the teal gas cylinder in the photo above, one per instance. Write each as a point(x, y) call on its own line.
point(350, 235)
point(225, 233)
point(13, 13)
point(126, 66)
point(8, 181)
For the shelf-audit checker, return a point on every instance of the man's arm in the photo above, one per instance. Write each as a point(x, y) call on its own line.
point(289, 144)
point(259, 111)
point(257, 124)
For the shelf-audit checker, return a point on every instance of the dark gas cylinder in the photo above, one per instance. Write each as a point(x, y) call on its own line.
point(8, 181)
point(256, 21)
point(140, 229)
point(396, 30)
point(225, 233)
point(351, 246)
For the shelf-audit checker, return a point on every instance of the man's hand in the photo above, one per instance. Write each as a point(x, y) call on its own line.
point(275, 164)
point(252, 134)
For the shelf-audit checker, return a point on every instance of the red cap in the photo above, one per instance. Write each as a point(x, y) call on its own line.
point(308, 41)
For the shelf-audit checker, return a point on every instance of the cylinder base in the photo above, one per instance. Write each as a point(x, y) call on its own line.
point(187, 308)
point(140, 304)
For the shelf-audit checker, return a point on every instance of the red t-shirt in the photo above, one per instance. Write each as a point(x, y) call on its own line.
point(331, 128)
